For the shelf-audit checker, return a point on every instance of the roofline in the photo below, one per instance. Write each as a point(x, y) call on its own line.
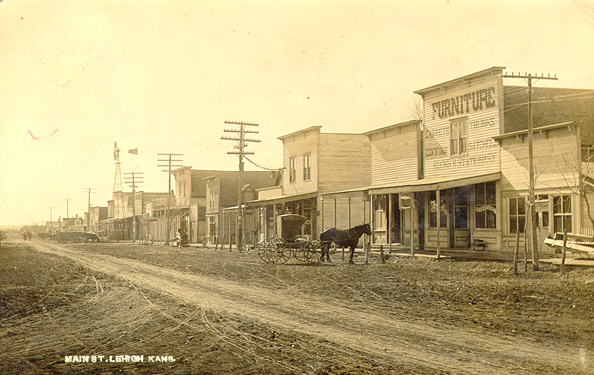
point(393, 126)
point(461, 79)
point(535, 129)
point(300, 131)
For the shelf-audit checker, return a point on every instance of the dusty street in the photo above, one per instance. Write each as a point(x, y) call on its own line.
point(247, 306)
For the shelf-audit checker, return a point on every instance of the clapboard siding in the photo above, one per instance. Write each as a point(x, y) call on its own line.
point(556, 161)
point(336, 212)
point(482, 154)
point(344, 162)
point(394, 155)
point(296, 146)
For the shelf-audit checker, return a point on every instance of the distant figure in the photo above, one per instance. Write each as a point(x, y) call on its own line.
point(178, 238)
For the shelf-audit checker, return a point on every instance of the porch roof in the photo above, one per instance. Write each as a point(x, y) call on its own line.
point(441, 183)
point(282, 199)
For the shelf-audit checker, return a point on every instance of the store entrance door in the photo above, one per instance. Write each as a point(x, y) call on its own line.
point(459, 228)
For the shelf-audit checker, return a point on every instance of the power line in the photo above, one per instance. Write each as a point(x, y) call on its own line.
point(171, 163)
point(239, 150)
point(133, 178)
point(260, 166)
point(531, 184)
point(89, 191)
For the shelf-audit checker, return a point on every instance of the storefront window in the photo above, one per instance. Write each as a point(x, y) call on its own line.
point(485, 205)
point(379, 208)
point(307, 212)
point(517, 215)
point(562, 213)
point(443, 217)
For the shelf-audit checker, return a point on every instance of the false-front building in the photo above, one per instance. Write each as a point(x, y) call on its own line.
point(468, 161)
point(315, 163)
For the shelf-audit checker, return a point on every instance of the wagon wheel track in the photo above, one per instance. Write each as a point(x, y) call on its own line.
point(389, 338)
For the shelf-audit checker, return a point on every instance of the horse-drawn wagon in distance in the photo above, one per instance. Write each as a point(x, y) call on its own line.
point(304, 249)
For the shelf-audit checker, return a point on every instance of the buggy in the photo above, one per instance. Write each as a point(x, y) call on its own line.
point(280, 250)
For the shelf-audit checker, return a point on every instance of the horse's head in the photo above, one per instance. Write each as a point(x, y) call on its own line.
point(363, 229)
point(367, 229)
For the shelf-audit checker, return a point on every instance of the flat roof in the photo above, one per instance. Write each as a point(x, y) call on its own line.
point(300, 131)
point(409, 122)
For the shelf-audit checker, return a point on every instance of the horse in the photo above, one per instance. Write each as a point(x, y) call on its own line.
point(344, 238)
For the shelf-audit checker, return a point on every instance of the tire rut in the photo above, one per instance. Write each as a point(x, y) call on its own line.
point(447, 348)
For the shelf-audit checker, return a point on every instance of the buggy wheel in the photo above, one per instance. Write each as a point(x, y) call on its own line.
point(262, 252)
point(282, 253)
point(266, 251)
point(304, 253)
point(316, 252)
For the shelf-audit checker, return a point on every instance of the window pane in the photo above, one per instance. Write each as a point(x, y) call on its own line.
point(433, 219)
point(522, 223)
point(444, 220)
point(491, 222)
point(558, 224)
point(556, 204)
point(512, 206)
point(462, 129)
point(567, 223)
point(567, 204)
point(480, 219)
point(432, 197)
point(521, 206)
point(491, 193)
point(513, 222)
point(479, 191)
point(461, 196)
point(461, 219)
point(545, 219)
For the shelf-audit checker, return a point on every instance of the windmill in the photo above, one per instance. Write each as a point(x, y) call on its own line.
point(117, 179)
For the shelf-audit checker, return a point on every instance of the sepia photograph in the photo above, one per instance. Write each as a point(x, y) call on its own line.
point(284, 187)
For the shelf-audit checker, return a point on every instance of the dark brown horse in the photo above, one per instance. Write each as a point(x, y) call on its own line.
point(343, 238)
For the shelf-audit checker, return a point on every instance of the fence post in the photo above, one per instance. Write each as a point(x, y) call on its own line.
point(563, 251)
point(516, 250)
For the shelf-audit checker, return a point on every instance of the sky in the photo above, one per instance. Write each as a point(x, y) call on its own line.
point(163, 76)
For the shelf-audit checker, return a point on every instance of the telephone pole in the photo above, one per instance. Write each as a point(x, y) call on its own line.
point(242, 143)
point(89, 191)
point(171, 163)
point(67, 200)
point(531, 219)
point(133, 178)
point(51, 226)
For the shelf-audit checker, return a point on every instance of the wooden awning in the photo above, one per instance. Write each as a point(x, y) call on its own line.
point(434, 184)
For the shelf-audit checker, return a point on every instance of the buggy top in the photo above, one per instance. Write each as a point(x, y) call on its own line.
point(289, 226)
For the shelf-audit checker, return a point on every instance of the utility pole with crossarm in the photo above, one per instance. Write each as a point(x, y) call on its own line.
point(133, 178)
point(239, 150)
point(531, 220)
point(171, 164)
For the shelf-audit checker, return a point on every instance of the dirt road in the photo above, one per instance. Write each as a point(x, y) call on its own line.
point(392, 338)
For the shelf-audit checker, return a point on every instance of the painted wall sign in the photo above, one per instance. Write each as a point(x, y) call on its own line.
point(464, 162)
point(461, 104)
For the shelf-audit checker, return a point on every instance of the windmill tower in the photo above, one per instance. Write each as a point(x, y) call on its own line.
point(117, 179)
